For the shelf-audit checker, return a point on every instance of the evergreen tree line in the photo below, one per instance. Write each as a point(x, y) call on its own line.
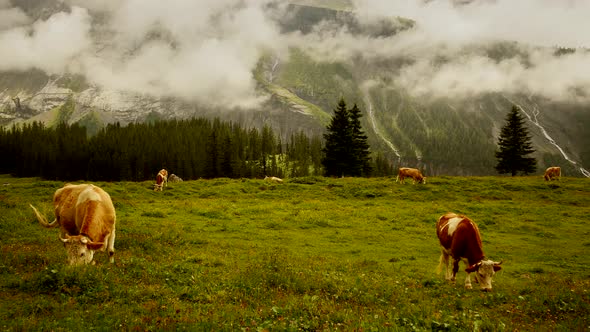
point(191, 149)
point(202, 148)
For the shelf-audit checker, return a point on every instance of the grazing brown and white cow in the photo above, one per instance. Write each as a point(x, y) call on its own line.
point(273, 179)
point(87, 218)
point(460, 239)
point(161, 180)
point(552, 173)
point(405, 172)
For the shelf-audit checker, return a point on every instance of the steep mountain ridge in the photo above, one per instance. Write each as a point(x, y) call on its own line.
point(440, 135)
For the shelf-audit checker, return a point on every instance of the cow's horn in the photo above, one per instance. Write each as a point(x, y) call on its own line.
point(499, 263)
point(475, 265)
point(94, 245)
point(66, 240)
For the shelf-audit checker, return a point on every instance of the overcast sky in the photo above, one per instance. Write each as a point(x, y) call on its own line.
point(206, 50)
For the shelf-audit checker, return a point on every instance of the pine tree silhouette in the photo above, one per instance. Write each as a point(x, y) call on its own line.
point(514, 145)
point(346, 152)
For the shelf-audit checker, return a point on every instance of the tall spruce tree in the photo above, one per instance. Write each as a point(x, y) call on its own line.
point(514, 145)
point(346, 151)
point(338, 142)
point(361, 153)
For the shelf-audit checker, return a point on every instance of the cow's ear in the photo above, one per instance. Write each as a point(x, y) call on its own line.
point(95, 245)
point(497, 268)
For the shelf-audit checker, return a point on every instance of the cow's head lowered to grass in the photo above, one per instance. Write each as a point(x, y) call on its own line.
point(80, 249)
point(86, 216)
point(484, 271)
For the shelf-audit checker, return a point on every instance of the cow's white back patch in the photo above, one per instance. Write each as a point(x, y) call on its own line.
point(453, 223)
point(88, 195)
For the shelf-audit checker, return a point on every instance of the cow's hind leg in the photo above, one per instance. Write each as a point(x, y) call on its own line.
point(455, 269)
point(444, 262)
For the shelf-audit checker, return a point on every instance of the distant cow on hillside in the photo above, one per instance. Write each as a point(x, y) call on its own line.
point(406, 172)
point(552, 173)
point(174, 178)
point(87, 218)
point(273, 179)
point(460, 239)
point(161, 180)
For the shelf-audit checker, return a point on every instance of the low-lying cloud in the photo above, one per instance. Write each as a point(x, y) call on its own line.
point(10, 16)
point(206, 51)
point(52, 45)
point(459, 34)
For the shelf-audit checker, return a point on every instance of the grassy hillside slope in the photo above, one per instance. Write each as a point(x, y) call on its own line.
point(438, 135)
point(309, 254)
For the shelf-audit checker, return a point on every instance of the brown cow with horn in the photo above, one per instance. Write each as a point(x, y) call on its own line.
point(552, 173)
point(161, 180)
point(406, 172)
point(87, 218)
point(460, 239)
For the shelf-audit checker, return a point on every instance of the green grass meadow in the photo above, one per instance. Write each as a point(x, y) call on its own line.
point(311, 254)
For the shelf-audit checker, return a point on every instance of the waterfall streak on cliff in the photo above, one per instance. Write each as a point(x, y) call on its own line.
point(377, 131)
point(532, 116)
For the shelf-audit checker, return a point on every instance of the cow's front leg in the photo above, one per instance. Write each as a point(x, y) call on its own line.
point(468, 281)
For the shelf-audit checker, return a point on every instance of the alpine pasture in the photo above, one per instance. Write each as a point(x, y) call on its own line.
point(307, 254)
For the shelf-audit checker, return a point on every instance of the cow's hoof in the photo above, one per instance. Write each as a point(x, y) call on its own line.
point(468, 287)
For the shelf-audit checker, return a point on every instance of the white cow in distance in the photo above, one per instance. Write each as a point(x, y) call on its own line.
point(174, 178)
point(273, 179)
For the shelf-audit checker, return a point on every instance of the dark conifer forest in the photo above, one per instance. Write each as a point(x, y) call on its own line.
point(191, 149)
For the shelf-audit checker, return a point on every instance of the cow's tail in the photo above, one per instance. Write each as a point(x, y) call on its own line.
point(42, 220)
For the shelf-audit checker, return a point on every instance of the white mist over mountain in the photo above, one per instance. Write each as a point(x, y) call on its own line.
point(453, 32)
point(536, 22)
point(205, 51)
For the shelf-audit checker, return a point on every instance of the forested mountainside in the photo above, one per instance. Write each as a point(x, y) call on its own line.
point(443, 134)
